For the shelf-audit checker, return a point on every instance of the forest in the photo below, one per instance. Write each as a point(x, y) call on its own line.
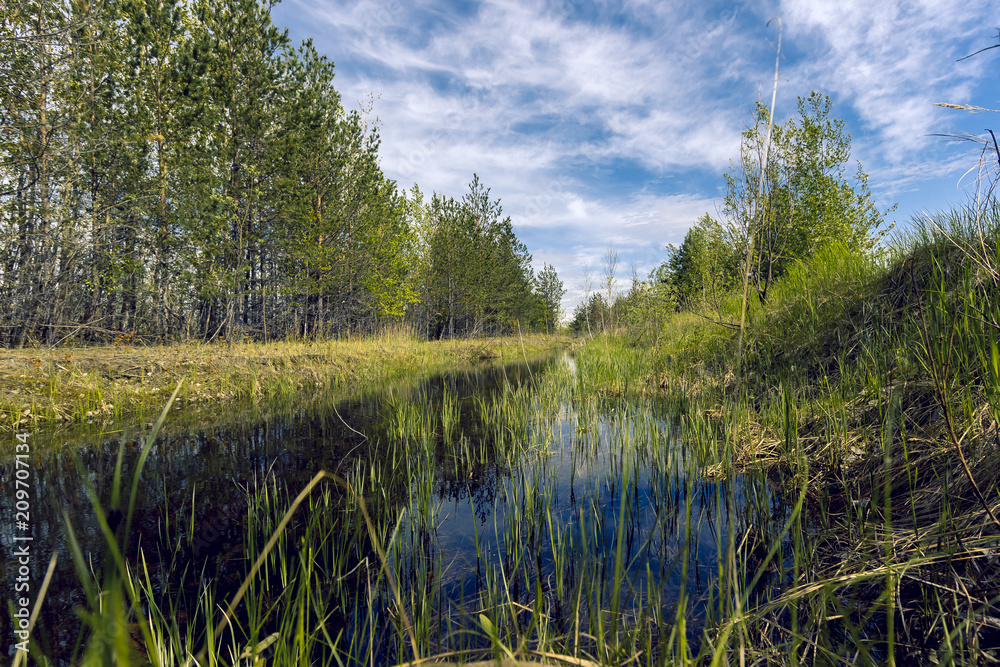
point(145, 195)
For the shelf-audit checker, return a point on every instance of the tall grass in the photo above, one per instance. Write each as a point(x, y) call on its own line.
point(872, 382)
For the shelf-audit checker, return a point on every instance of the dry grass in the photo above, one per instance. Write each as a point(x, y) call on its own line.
point(111, 384)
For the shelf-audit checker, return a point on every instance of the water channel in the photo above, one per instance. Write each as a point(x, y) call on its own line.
point(500, 485)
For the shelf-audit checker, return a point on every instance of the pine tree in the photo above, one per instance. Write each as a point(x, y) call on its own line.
point(233, 71)
point(550, 290)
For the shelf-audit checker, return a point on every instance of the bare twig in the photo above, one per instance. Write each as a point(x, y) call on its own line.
point(728, 325)
point(760, 195)
point(985, 48)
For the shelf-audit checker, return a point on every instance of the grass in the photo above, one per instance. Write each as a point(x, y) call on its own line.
point(356, 575)
point(871, 384)
point(112, 386)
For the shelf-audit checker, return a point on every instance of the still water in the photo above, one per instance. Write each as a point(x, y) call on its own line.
point(512, 476)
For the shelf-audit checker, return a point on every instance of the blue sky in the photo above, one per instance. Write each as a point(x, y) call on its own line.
point(598, 123)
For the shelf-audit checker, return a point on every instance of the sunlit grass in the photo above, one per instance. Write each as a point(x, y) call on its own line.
point(113, 385)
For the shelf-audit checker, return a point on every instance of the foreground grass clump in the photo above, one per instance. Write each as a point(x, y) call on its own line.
point(876, 385)
point(110, 384)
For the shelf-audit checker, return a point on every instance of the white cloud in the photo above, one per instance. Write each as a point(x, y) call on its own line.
point(511, 62)
point(537, 99)
point(891, 60)
point(574, 233)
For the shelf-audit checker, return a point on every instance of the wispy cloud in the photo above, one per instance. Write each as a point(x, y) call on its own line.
point(601, 121)
point(891, 60)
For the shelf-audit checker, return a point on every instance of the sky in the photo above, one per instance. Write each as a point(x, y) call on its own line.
point(613, 123)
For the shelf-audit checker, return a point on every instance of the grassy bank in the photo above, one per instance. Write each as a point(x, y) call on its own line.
point(871, 388)
point(113, 384)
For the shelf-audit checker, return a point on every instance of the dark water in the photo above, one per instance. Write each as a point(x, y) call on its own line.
point(572, 481)
point(204, 473)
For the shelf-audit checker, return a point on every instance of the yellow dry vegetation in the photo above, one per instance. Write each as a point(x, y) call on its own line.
point(112, 383)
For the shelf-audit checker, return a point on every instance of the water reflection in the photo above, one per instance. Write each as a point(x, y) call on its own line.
point(599, 490)
point(198, 478)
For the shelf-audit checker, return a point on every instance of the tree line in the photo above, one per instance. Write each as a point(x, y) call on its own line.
point(775, 213)
point(176, 169)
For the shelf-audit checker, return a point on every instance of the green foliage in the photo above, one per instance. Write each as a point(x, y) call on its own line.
point(589, 315)
point(346, 240)
point(807, 206)
point(479, 274)
point(704, 268)
point(806, 201)
point(179, 170)
point(550, 291)
point(647, 307)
